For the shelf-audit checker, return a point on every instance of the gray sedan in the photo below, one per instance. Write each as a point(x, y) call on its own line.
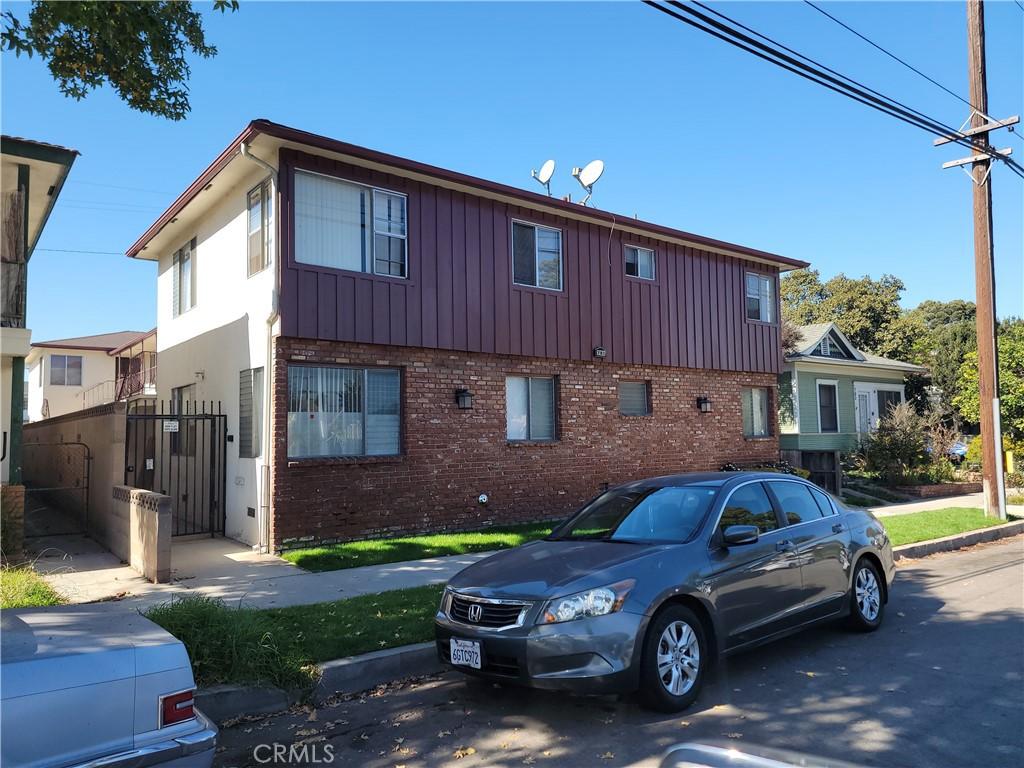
point(650, 582)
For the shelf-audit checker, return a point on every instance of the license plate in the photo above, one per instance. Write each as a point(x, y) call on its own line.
point(466, 653)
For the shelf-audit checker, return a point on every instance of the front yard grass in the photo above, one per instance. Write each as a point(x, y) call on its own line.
point(21, 587)
point(934, 524)
point(352, 554)
point(280, 646)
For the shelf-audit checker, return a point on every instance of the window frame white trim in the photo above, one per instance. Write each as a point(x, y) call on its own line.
point(269, 236)
point(536, 250)
point(638, 276)
point(768, 432)
point(373, 232)
point(772, 298)
point(817, 400)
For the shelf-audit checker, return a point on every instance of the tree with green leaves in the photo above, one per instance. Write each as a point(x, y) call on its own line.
point(863, 308)
point(1010, 343)
point(139, 48)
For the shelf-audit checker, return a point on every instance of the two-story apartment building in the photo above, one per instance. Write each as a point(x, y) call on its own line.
point(399, 347)
point(66, 375)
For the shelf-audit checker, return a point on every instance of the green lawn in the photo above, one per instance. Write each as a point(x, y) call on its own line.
point(281, 645)
point(934, 524)
point(21, 587)
point(353, 554)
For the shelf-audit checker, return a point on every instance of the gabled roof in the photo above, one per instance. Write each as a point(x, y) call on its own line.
point(104, 342)
point(810, 337)
point(273, 136)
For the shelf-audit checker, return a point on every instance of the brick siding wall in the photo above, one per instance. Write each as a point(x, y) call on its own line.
point(451, 456)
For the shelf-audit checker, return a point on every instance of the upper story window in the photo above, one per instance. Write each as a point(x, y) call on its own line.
point(760, 298)
point(65, 370)
point(183, 268)
point(639, 262)
point(536, 256)
point(260, 226)
point(342, 225)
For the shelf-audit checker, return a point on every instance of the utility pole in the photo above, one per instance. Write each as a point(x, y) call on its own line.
point(984, 274)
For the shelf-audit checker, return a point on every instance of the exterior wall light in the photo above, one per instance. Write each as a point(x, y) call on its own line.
point(600, 352)
point(464, 398)
point(704, 404)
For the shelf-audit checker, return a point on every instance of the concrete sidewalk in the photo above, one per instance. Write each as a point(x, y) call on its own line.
point(971, 500)
point(84, 572)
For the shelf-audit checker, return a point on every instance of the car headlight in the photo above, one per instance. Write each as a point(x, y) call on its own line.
point(444, 600)
point(592, 602)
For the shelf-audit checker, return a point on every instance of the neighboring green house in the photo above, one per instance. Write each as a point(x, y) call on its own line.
point(831, 393)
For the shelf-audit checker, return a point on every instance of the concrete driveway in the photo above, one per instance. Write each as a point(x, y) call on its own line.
point(940, 684)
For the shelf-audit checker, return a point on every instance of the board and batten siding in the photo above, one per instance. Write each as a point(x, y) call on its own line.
point(459, 293)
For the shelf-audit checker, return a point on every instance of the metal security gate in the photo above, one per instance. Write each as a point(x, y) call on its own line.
point(181, 454)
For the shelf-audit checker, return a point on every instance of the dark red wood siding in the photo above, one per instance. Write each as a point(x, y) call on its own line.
point(459, 293)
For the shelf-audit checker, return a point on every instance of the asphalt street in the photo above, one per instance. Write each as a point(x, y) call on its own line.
point(940, 684)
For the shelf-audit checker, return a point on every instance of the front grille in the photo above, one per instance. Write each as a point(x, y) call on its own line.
point(493, 615)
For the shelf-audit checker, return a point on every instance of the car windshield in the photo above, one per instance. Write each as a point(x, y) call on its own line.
point(668, 514)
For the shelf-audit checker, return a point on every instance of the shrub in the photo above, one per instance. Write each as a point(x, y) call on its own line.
point(898, 448)
point(21, 587)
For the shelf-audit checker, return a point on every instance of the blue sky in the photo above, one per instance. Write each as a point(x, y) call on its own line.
point(695, 133)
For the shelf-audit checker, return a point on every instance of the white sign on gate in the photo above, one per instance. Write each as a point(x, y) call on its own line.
point(170, 425)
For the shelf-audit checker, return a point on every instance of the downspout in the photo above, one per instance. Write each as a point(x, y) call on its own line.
point(266, 501)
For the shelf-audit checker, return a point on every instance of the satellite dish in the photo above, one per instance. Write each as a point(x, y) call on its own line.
point(544, 174)
point(587, 176)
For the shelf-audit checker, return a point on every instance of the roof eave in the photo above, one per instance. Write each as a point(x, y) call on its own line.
point(316, 141)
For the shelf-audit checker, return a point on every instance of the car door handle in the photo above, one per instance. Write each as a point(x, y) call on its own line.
point(784, 546)
point(837, 528)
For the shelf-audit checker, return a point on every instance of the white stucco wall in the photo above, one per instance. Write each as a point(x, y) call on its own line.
point(97, 367)
point(224, 333)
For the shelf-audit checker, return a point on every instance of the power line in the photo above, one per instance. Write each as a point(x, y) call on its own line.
point(76, 250)
point(894, 57)
point(888, 53)
point(817, 73)
point(118, 186)
point(1019, 5)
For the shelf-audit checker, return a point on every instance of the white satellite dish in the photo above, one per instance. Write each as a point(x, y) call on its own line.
point(587, 176)
point(544, 174)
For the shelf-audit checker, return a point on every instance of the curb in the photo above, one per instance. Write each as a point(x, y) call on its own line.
point(958, 541)
point(357, 673)
point(349, 675)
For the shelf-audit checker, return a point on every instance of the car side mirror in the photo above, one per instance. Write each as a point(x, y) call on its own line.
point(740, 534)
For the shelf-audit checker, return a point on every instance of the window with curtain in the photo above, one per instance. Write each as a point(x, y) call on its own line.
point(760, 298)
point(65, 370)
point(250, 413)
point(755, 412)
point(536, 256)
point(640, 262)
point(634, 398)
point(828, 406)
point(183, 278)
point(530, 408)
point(261, 226)
point(338, 412)
point(342, 225)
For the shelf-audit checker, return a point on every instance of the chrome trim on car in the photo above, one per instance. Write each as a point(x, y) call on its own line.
point(523, 605)
point(202, 740)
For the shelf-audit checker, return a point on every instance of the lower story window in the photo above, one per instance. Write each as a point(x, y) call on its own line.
point(338, 412)
point(755, 412)
point(530, 407)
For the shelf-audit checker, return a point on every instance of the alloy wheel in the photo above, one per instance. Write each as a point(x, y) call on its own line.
point(868, 594)
point(678, 658)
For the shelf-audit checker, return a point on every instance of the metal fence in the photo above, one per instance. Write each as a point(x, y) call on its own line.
point(180, 451)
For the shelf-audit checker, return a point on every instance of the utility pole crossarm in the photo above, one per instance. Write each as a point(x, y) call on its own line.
point(984, 128)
